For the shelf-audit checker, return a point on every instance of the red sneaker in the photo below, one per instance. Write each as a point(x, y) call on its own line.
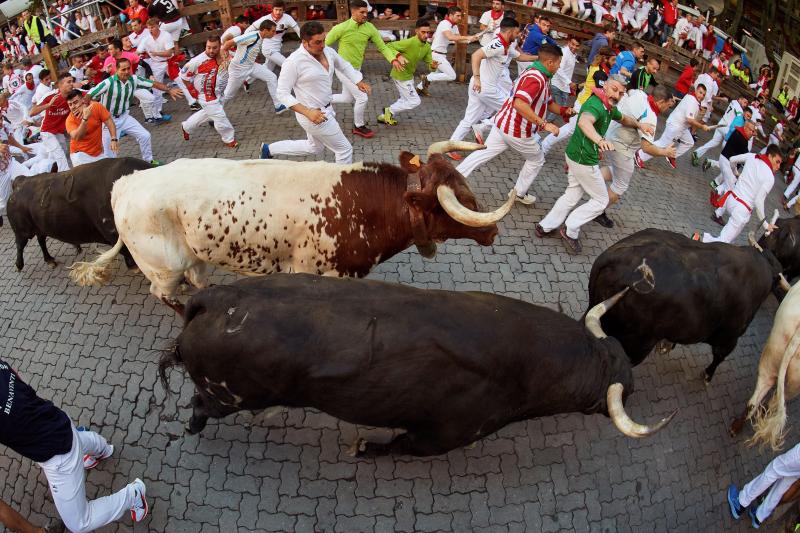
point(638, 160)
point(233, 144)
point(455, 156)
point(185, 135)
point(672, 162)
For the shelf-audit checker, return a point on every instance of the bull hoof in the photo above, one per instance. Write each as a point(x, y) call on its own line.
point(195, 426)
point(357, 449)
point(78, 248)
point(1, 222)
point(52, 262)
point(19, 267)
point(706, 379)
point(735, 428)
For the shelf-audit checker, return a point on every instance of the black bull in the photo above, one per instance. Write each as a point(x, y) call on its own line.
point(447, 367)
point(699, 292)
point(73, 206)
point(784, 242)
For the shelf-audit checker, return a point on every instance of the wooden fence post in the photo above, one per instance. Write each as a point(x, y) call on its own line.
point(225, 14)
point(461, 48)
point(413, 9)
point(49, 60)
point(342, 10)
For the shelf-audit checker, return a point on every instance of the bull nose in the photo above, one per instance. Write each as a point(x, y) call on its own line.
point(486, 237)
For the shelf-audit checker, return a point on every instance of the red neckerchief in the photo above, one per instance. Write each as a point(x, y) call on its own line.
point(653, 106)
point(505, 43)
point(498, 15)
point(606, 68)
point(29, 85)
point(601, 94)
point(765, 159)
point(447, 18)
point(695, 97)
point(743, 132)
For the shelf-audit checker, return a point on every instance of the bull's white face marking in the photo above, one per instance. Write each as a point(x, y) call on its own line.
point(252, 217)
point(221, 393)
point(237, 328)
point(231, 311)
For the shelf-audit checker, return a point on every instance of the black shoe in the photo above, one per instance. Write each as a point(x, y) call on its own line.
point(541, 233)
point(573, 245)
point(195, 106)
point(604, 221)
point(718, 220)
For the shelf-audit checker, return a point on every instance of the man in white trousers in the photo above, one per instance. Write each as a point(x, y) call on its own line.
point(243, 63)
point(308, 72)
point(200, 77)
point(787, 200)
point(678, 129)
point(53, 128)
point(748, 194)
point(353, 35)
point(115, 94)
point(734, 109)
point(39, 431)
point(271, 47)
point(777, 478)
point(446, 33)
point(776, 136)
point(583, 158)
point(519, 120)
point(159, 47)
point(487, 89)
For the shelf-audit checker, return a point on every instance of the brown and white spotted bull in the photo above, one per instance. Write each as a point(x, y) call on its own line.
point(778, 367)
point(447, 367)
point(266, 216)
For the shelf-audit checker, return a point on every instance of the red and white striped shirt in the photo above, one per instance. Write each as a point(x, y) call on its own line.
point(202, 72)
point(532, 87)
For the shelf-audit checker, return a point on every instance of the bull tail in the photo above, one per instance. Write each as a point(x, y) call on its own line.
point(97, 272)
point(169, 358)
point(770, 426)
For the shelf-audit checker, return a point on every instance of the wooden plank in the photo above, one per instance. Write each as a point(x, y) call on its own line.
point(342, 10)
point(461, 48)
point(413, 9)
point(225, 13)
point(199, 9)
point(198, 38)
point(50, 61)
point(89, 39)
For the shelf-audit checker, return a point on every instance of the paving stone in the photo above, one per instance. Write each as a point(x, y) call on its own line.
point(93, 352)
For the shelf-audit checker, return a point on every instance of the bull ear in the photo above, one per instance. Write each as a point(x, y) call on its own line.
point(420, 200)
point(411, 163)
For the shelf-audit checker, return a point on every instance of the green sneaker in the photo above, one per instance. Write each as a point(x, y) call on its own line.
point(156, 163)
point(387, 117)
point(695, 159)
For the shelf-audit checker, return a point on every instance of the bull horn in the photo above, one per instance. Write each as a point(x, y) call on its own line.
point(442, 147)
point(592, 319)
point(621, 419)
point(785, 285)
point(468, 217)
point(751, 238)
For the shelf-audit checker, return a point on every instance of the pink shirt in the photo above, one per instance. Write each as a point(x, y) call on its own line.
point(110, 64)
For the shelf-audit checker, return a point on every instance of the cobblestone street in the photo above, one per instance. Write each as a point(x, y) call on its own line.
point(93, 352)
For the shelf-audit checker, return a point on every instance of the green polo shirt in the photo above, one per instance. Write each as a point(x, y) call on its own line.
point(353, 39)
point(580, 148)
point(414, 51)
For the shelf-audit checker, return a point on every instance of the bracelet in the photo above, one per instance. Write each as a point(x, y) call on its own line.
point(113, 139)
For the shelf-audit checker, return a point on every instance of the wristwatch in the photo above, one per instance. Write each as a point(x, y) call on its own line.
point(113, 139)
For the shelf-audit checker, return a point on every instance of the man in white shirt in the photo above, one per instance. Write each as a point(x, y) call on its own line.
point(490, 21)
point(682, 29)
point(710, 80)
point(308, 71)
point(487, 90)
point(618, 163)
point(283, 22)
point(735, 109)
point(561, 85)
point(139, 32)
point(159, 47)
point(776, 137)
point(446, 32)
point(751, 189)
point(678, 128)
point(200, 77)
point(239, 27)
point(243, 64)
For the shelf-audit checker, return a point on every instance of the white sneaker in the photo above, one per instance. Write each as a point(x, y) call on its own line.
point(90, 461)
point(478, 130)
point(139, 509)
point(528, 199)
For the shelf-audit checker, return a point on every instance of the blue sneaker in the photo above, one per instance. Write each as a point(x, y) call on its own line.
point(265, 151)
point(280, 109)
point(753, 520)
point(733, 502)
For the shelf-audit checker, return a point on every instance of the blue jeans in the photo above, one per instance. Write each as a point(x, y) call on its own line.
point(560, 97)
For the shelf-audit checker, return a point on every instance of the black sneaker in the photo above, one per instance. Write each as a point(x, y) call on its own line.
point(363, 131)
point(604, 221)
point(717, 219)
point(573, 245)
point(541, 233)
point(195, 106)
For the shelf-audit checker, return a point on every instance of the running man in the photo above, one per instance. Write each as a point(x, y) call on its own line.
point(446, 33)
point(271, 47)
point(308, 72)
point(115, 94)
point(243, 64)
point(353, 36)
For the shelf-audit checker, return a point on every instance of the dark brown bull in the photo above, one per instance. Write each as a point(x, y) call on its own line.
point(73, 206)
point(447, 367)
